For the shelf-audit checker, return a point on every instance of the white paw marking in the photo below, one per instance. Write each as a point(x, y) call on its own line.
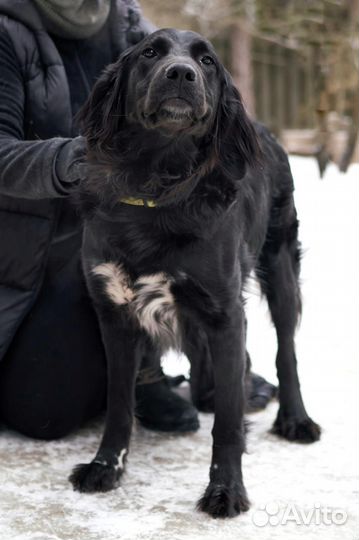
point(100, 462)
point(121, 457)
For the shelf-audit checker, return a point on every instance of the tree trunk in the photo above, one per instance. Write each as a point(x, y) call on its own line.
point(352, 136)
point(241, 64)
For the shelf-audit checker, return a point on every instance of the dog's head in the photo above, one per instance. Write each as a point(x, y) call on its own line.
point(172, 85)
point(173, 82)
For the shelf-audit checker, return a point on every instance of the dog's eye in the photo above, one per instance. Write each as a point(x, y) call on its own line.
point(207, 60)
point(149, 53)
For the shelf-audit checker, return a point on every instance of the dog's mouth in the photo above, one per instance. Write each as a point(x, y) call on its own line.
point(174, 114)
point(175, 109)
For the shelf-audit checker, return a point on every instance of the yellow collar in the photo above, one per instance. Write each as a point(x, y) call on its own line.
point(138, 202)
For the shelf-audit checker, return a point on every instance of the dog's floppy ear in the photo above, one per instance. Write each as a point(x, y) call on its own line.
point(101, 116)
point(236, 138)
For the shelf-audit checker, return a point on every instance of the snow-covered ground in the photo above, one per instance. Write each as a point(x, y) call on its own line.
point(289, 485)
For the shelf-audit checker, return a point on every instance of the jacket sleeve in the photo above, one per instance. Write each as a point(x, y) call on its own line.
point(27, 168)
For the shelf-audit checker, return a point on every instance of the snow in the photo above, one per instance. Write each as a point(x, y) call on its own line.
point(166, 473)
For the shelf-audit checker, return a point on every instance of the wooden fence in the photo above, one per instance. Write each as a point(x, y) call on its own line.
point(284, 86)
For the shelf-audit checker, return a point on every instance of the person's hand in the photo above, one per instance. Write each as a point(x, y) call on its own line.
point(70, 162)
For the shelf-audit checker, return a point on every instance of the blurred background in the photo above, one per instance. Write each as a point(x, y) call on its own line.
point(295, 63)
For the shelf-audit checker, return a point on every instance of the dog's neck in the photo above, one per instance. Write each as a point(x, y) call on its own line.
point(157, 152)
point(151, 165)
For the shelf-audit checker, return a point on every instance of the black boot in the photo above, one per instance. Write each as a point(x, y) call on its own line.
point(260, 393)
point(159, 408)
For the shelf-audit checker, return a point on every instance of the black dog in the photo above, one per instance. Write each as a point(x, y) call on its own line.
point(181, 203)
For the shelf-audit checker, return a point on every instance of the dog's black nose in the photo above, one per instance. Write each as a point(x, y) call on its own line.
point(181, 72)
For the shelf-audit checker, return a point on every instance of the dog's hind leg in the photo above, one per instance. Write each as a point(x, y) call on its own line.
point(259, 392)
point(278, 272)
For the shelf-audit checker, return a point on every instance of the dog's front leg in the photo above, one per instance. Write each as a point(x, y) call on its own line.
point(119, 338)
point(225, 495)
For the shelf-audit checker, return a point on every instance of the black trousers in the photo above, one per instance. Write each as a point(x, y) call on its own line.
point(53, 377)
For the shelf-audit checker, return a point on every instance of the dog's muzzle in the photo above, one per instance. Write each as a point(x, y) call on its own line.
point(176, 95)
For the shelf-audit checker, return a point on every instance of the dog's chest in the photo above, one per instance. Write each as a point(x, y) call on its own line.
point(148, 239)
point(149, 300)
point(142, 268)
point(135, 262)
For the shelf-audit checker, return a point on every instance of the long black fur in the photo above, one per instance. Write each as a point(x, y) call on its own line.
point(171, 128)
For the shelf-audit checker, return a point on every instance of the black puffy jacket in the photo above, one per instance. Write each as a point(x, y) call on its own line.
point(36, 110)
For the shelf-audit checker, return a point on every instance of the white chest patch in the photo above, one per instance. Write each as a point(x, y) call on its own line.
point(117, 282)
point(149, 299)
point(155, 308)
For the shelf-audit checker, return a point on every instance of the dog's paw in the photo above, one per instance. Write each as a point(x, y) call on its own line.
point(92, 477)
point(298, 430)
point(220, 500)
